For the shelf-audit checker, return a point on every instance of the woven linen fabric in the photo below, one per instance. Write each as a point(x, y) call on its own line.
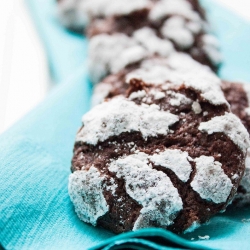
point(35, 154)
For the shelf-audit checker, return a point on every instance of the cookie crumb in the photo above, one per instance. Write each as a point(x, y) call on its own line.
point(196, 108)
point(206, 237)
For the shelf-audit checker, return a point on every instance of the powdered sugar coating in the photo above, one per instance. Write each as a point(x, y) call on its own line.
point(141, 94)
point(175, 160)
point(120, 115)
point(208, 84)
point(112, 53)
point(195, 26)
point(79, 13)
point(158, 95)
point(101, 92)
point(231, 126)
point(184, 62)
point(196, 107)
point(137, 95)
point(246, 87)
point(247, 110)
point(127, 57)
point(180, 69)
point(148, 38)
point(121, 7)
point(164, 8)
point(194, 76)
point(152, 189)
point(211, 48)
point(183, 24)
point(243, 199)
point(157, 74)
point(246, 178)
point(210, 181)
point(174, 29)
point(158, 70)
point(178, 99)
point(86, 193)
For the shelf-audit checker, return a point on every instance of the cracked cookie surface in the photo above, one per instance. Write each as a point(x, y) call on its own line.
point(167, 155)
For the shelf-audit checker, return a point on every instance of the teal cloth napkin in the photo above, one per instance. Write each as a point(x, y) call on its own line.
point(35, 154)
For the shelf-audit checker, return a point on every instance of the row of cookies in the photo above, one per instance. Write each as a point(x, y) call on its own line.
point(124, 32)
point(162, 147)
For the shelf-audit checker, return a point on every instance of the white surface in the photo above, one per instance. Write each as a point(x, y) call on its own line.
point(23, 69)
point(241, 7)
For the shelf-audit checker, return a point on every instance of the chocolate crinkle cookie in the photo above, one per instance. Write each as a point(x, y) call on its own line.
point(160, 70)
point(169, 154)
point(78, 14)
point(153, 70)
point(170, 25)
point(71, 14)
point(238, 95)
point(124, 32)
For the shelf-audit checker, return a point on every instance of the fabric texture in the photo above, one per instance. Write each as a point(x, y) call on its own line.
point(35, 154)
